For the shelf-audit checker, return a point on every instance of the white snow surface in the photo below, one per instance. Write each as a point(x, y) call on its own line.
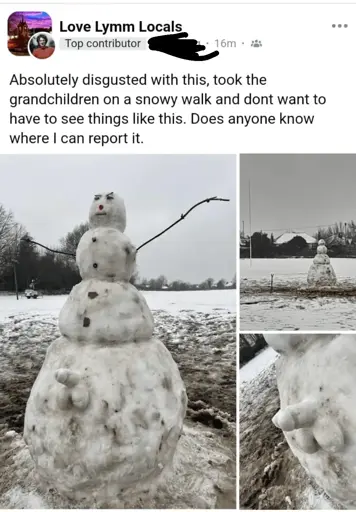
point(223, 301)
point(261, 361)
point(293, 268)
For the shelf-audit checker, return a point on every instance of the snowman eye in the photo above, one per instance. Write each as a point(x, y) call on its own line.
point(97, 197)
point(110, 196)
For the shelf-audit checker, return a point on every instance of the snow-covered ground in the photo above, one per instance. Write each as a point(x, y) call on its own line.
point(172, 302)
point(271, 478)
point(199, 328)
point(251, 369)
point(290, 307)
point(203, 301)
point(293, 268)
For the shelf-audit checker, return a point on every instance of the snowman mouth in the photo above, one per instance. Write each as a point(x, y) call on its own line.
point(100, 213)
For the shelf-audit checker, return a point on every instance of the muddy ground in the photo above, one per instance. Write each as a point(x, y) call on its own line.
point(204, 347)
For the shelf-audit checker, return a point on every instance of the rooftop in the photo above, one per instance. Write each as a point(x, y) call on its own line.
point(287, 237)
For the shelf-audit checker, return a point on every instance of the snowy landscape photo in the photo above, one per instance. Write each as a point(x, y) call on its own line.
point(297, 242)
point(118, 335)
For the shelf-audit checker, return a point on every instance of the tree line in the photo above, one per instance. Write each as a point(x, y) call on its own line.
point(56, 273)
point(264, 246)
point(340, 240)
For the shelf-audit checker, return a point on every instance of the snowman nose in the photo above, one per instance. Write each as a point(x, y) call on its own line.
point(101, 206)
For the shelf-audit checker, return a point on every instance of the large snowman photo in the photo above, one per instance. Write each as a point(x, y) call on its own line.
point(109, 419)
point(108, 405)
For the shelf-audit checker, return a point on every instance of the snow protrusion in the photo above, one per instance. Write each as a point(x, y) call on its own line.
point(296, 416)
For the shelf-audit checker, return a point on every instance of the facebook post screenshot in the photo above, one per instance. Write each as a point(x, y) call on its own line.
point(136, 140)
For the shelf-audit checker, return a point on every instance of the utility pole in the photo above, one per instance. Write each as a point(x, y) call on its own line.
point(15, 279)
point(249, 208)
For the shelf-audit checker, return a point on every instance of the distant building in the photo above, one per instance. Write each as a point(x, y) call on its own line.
point(22, 30)
point(18, 37)
point(287, 237)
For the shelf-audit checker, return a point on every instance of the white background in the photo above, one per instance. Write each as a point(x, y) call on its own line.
point(301, 54)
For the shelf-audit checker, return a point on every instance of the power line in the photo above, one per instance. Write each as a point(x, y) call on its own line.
point(317, 226)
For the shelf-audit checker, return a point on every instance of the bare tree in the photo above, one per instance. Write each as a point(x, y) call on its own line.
point(338, 233)
point(220, 285)
point(10, 239)
point(70, 242)
point(207, 284)
point(18, 232)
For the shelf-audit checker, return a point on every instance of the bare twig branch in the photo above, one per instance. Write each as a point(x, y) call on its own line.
point(182, 217)
point(29, 241)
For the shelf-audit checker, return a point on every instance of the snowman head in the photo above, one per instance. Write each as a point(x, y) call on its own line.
point(108, 210)
point(321, 247)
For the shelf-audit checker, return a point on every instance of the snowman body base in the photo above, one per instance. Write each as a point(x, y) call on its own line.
point(116, 425)
point(320, 275)
point(316, 382)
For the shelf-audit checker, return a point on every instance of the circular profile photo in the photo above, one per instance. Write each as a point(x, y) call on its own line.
point(41, 45)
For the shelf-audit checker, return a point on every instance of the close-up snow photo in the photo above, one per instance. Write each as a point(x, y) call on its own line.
point(297, 421)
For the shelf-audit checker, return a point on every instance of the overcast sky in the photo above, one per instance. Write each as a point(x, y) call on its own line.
point(51, 194)
point(297, 192)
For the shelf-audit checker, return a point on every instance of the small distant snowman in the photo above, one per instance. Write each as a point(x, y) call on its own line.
point(321, 272)
point(106, 411)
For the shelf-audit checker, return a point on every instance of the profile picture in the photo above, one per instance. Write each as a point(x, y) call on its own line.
point(41, 45)
point(22, 26)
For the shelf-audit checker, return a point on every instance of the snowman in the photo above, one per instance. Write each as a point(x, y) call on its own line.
point(321, 273)
point(106, 411)
point(316, 383)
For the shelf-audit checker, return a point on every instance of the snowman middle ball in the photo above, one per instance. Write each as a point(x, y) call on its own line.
point(106, 254)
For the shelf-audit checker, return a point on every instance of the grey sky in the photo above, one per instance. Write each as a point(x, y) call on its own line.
point(297, 192)
point(51, 194)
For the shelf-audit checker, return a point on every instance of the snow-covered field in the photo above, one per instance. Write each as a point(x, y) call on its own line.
point(199, 328)
point(290, 307)
point(172, 302)
point(271, 478)
point(293, 268)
